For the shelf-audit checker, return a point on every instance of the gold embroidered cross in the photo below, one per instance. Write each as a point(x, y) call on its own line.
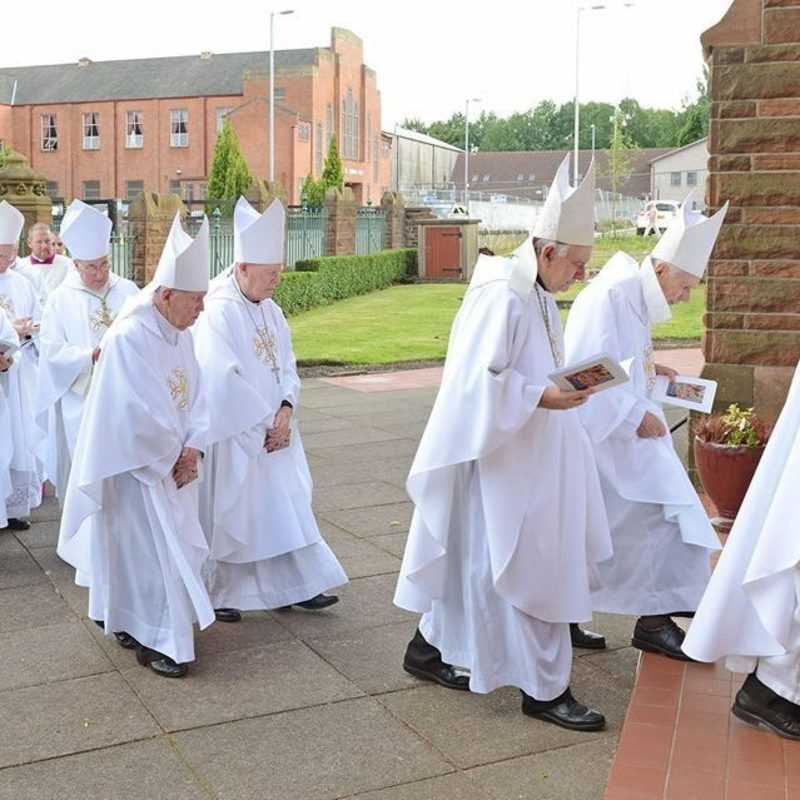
point(7, 305)
point(265, 349)
point(101, 318)
point(179, 388)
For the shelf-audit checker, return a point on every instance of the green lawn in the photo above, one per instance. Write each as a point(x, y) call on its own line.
point(412, 323)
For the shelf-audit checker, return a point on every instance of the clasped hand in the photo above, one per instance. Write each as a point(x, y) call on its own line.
point(5, 362)
point(555, 399)
point(23, 326)
point(185, 469)
point(279, 435)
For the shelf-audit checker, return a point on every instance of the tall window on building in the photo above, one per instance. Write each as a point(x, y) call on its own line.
point(691, 179)
point(178, 127)
point(91, 190)
point(52, 189)
point(175, 187)
point(133, 189)
point(222, 112)
point(134, 130)
point(328, 125)
point(318, 150)
point(675, 178)
point(375, 159)
point(91, 130)
point(350, 142)
point(49, 133)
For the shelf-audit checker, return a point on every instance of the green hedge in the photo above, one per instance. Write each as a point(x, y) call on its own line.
point(319, 281)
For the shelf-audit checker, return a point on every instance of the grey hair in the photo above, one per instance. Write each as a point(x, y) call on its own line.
point(39, 226)
point(540, 244)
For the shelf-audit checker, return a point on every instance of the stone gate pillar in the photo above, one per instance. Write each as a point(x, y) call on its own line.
point(150, 217)
point(395, 214)
point(752, 343)
point(341, 209)
point(27, 192)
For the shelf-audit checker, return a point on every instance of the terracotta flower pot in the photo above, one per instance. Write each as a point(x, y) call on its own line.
point(726, 473)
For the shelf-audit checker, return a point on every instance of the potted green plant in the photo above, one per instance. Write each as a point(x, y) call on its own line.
point(727, 449)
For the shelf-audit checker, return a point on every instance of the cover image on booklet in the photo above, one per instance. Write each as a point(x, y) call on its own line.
point(600, 372)
point(696, 394)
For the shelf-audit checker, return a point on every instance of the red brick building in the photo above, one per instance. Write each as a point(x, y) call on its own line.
point(115, 128)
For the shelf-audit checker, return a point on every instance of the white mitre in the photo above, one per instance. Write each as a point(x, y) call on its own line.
point(689, 239)
point(259, 238)
point(86, 231)
point(185, 262)
point(11, 222)
point(568, 213)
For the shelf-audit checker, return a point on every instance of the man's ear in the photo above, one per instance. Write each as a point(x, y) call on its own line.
point(548, 250)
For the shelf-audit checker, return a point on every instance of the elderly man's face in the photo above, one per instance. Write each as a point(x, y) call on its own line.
point(94, 274)
point(8, 255)
point(676, 284)
point(259, 281)
point(559, 272)
point(40, 243)
point(181, 308)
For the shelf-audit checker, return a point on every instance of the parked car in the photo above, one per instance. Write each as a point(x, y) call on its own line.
point(665, 211)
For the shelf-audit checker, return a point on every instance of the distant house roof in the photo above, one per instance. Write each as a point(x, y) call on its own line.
point(174, 76)
point(523, 173)
point(423, 138)
point(669, 153)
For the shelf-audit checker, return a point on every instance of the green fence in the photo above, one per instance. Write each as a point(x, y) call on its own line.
point(122, 255)
point(220, 245)
point(370, 226)
point(306, 234)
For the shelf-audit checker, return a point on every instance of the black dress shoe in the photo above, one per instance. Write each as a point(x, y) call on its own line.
point(424, 661)
point(15, 524)
point(666, 640)
point(565, 711)
point(160, 664)
point(228, 614)
point(759, 705)
point(316, 603)
point(587, 640)
point(125, 640)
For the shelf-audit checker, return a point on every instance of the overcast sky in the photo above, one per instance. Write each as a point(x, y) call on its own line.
point(429, 55)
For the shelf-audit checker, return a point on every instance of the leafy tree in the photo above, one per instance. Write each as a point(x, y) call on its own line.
point(312, 194)
point(229, 176)
point(620, 160)
point(332, 172)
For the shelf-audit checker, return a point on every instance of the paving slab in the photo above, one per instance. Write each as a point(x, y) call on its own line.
point(312, 754)
point(241, 684)
point(45, 655)
point(146, 769)
point(365, 603)
point(456, 786)
point(372, 658)
point(31, 607)
point(40, 534)
point(374, 520)
point(394, 543)
point(70, 717)
point(357, 495)
point(359, 557)
point(347, 437)
point(370, 451)
point(17, 568)
point(48, 511)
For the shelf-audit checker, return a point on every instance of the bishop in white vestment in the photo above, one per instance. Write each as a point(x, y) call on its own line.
point(44, 268)
point(9, 342)
point(266, 548)
point(509, 513)
point(750, 613)
point(130, 525)
point(662, 537)
point(76, 317)
point(18, 302)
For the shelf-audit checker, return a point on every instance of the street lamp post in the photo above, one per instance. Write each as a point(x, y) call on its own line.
point(272, 16)
point(466, 152)
point(576, 135)
point(594, 139)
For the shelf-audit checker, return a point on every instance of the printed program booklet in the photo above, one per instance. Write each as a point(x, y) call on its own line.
point(600, 372)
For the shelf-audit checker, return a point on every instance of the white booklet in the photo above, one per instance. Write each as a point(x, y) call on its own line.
point(600, 372)
point(684, 391)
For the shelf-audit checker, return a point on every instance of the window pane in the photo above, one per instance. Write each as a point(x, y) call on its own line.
point(179, 128)
point(91, 131)
point(52, 189)
point(49, 133)
point(134, 130)
point(691, 179)
point(133, 189)
point(675, 178)
point(175, 187)
point(91, 190)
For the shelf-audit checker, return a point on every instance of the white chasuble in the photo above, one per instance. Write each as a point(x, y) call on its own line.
point(8, 341)
point(46, 278)
point(661, 534)
point(751, 609)
point(509, 512)
point(132, 535)
point(18, 300)
point(266, 549)
point(74, 321)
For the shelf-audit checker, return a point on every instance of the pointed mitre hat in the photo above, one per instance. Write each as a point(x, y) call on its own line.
point(86, 231)
point(568, 212)
point(11, 222)
point(184, 262)
point(259, 238)
point(689, 239)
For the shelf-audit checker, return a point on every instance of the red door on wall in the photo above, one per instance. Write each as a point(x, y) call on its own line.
point(443, 253)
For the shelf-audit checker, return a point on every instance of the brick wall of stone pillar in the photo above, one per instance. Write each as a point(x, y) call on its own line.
point(341, 209)
point(413, 217)
point(150, 217)
point(395, 215)
point(26, 190)
point(752, 342)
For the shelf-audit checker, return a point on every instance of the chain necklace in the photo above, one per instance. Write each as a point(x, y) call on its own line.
point(102, 317)
point(555, 349)
point(265, 342)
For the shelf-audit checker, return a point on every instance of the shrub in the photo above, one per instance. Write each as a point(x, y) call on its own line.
point(320, 281)
point(737, 427)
